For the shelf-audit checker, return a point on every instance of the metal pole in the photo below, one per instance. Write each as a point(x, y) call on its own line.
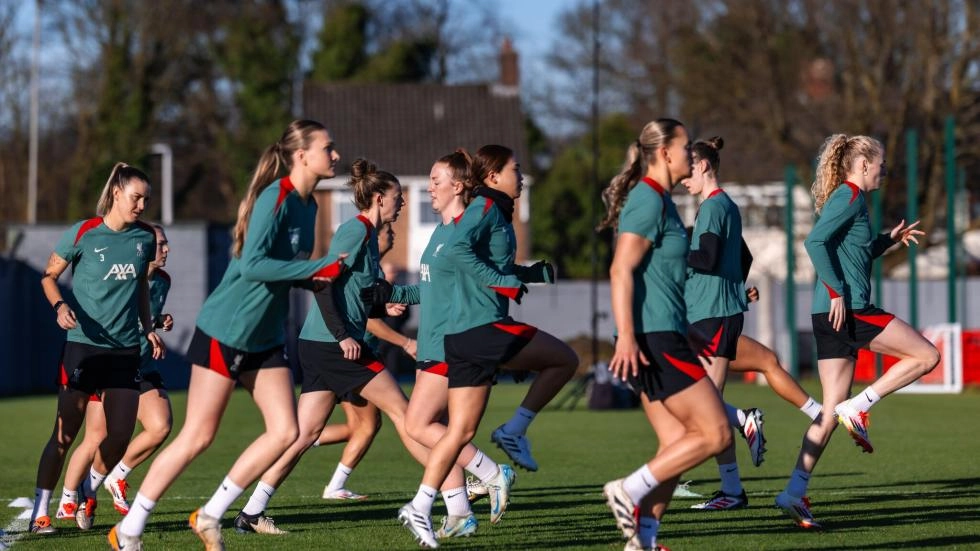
point(950, 150)
point(594, 237)
point(35, 115)
point(911, 176)
point(794, 363)
point(167, 181)
point(876, 222)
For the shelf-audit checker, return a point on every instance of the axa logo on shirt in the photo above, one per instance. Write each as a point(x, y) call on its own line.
point(424, 273)
point(121, 271)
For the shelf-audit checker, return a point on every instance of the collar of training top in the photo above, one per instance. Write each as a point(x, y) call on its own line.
point(504, 201)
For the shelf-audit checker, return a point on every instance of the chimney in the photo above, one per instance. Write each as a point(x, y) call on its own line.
point(509, 75)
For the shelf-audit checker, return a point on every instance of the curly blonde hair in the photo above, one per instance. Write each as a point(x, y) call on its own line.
point(838, 154)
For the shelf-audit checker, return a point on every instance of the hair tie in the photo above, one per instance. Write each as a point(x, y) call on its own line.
point(638, 144)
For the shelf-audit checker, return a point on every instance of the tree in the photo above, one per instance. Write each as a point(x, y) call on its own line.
point(564, 200)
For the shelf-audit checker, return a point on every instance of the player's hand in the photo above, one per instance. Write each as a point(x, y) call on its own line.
point(331, 271)
point(627, 358)
point(159, 350)
point(352, 350)
point(837, 313)
point(167, 322)
point(394, 309)
point(66, 317)
point(905, 234)
point(411, 347)
point(752, 294)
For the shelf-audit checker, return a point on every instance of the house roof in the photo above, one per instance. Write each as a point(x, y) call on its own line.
point(404, 128)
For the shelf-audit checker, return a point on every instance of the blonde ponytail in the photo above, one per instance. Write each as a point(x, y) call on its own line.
point(120, 176)
point(639, 155)
point(275, 160)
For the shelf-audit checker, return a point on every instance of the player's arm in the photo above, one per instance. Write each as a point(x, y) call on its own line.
point(474, 225)
point(49, 284)
point(146, 317)
point(383, 331)
point(257, 262)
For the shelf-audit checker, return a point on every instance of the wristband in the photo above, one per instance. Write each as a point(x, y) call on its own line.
point(58, 305)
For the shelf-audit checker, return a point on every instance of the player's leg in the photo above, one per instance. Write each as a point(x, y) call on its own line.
point(753, 356)
point(68, 421)
point(363, 422)
point(554, 364)
point(156, 417)
point(81, 458)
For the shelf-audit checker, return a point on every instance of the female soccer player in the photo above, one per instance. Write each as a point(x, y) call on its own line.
point(110, 256)
point(647, 284)
point(363, 419)
point(842, 247)
point(480, 336)
point(153, 413)
point(335, 359)
point(716, 298)
point(240, 334)
point(427, 407)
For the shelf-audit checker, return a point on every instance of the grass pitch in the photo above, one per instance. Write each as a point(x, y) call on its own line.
point(920, 489)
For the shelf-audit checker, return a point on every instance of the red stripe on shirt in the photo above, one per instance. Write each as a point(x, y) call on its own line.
point(855, 191)
point(830, 290)
point(655, 185)
point(285, 188)
point(715, 192)
point(86, 226)
point(487, 205)
point(367, 224)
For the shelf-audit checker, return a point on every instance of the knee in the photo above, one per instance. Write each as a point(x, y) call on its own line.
point(286, 436)
point(930, 360)
point(718, 438)
point(158, 433)
point(195, 444)
point(414, 426)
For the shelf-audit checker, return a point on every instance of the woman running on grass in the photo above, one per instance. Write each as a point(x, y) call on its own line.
point(652, 352)
point(481, 337)
point(153, 412)
point(842, 248)
point(109, 304)
point(716, 298)
point(240, 335)
point(427, 406)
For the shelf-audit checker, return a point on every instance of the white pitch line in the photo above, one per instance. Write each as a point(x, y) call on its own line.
point(17, 527)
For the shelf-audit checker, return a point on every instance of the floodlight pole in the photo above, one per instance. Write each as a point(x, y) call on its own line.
point(35, 114)
point(167, 182)
point(594, 237)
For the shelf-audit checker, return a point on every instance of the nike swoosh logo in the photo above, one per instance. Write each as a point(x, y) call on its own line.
point(429, 495)
point(100, 250)
point(450, 496)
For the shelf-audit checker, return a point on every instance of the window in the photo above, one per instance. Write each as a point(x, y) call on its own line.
point(343, 208)
point(426, 214)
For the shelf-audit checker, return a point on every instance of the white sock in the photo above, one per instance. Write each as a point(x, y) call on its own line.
point(640, 483)
point(41, 499)
point(736, 417)
point(223, 497)
point(647, 533)
point(731, 482)
point(424, 499)
point(864, 401)
point(520, 421)
point(798, 483)
point(90, 488)
point(339, 477)
point(260, 499)
point(120, 471)
point(134, 522)
point(457, 504)
point(811, 408)
point(483, 467)
point(68, 496)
